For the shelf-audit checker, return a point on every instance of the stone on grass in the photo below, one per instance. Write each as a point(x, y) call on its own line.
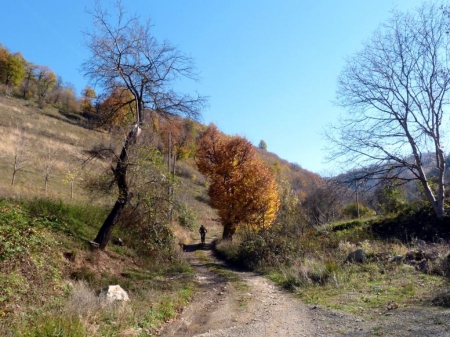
point(113, 293)
point(440, 241)
point(420, 243)
point(398, 259)
point(357, 256)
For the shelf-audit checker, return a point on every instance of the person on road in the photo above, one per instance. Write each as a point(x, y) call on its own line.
point(202, 230)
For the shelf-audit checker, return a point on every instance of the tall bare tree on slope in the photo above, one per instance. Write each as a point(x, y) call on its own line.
point(396, 91)
point(125, 54)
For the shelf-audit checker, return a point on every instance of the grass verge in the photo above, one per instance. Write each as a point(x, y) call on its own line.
point(50, 279)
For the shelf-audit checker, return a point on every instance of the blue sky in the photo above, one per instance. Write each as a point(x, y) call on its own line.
point(269, 67)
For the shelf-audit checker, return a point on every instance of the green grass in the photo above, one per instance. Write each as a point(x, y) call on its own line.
point(320, 276)
point(35, 235)
point(359, 288)
point(51, 326)
point(371, 290)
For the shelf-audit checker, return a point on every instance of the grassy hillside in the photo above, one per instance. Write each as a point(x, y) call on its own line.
point(300, 179)
point(41, 137)
point(49, 276)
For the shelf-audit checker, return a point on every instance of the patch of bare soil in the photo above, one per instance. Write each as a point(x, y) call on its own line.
point(255, 306)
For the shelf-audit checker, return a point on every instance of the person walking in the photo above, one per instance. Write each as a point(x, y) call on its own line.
point(202, 230)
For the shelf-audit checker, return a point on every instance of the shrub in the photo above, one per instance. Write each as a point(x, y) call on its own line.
point(262, 249)
point(353, 210)
point(187, 216)
point(228, 250)
point(148, 238)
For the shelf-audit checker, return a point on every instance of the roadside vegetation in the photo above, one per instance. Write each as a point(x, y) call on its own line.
point(50, 277)
point(398, 270)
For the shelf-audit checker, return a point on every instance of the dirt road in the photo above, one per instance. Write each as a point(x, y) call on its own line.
point(250, 305)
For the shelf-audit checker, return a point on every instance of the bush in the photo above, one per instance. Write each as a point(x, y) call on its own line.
point(353, 210)
point(227, 250)
point(413, 223)
point(259, 250)
point(150, 239)
point(187, 216)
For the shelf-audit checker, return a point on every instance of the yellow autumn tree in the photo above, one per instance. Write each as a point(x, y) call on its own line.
point(242, 188)
point(45, 80)
point(87, 95)
point(12, 68)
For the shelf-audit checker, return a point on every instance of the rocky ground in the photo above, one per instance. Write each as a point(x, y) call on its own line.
point(254, 306)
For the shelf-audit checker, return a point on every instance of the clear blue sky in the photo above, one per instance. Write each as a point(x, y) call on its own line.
point(269, 66)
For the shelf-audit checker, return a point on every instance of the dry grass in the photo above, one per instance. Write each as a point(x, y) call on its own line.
point(45, 136)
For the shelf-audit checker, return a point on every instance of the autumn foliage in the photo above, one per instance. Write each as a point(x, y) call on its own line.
point(118, 108)
point(178, 138)
point(242, 188)
point(12, 67)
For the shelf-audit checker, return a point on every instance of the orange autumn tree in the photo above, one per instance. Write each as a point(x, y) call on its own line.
point(117, 109)
point(242, 188)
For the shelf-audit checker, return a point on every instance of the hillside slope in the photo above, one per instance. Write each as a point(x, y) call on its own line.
point(39, 139)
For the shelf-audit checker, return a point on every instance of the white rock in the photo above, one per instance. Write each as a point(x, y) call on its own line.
point(114, 293)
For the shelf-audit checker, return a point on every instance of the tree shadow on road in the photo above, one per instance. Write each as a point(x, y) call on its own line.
point(197, 246)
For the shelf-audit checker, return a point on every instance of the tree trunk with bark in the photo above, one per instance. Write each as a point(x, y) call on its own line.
point(125, 54)
point(120, 174)
point(228, 231)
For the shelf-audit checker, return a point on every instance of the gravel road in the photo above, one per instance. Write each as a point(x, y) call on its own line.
point(257, 307)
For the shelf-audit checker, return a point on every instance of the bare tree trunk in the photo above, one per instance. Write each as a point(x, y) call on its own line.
point(15, 169)
point(228, 231)
point(440, 207)
point(120, 173)
point(13, 177)
point(357, 200)
point(436, 201)
point(104, 234)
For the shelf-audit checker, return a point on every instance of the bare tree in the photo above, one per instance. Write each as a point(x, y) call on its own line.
point(75, 164)
point(324, 200)
point(125, 53)
point(21, 155)
point(396, 93)
point(48, 163)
